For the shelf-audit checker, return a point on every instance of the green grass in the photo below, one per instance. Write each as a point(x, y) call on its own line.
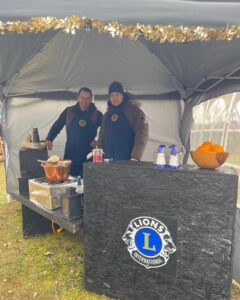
point(26, 272)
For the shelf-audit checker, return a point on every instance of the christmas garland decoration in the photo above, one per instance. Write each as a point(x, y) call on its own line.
point(161, 33)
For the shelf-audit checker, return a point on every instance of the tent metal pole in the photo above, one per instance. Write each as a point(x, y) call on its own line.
point(9, 83)
point(227, 123)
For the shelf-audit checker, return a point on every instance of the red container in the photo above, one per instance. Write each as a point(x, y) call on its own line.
point(58, 172)
point(97, 155)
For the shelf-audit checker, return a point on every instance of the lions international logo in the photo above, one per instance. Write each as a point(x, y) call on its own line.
point(82, 123)
point(149, 242)
point(114, 118)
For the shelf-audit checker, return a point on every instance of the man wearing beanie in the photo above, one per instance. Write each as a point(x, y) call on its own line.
point(124, 130)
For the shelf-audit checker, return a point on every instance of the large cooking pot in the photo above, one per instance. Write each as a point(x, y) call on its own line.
point(58, 172)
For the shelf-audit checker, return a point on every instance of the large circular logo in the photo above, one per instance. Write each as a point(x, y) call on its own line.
point(149, 242)
point(114, 118)
point(82, 123)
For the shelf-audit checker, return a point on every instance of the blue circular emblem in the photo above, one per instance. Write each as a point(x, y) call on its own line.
point(148, 242)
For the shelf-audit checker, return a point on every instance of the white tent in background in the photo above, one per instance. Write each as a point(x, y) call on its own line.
point(158, 74)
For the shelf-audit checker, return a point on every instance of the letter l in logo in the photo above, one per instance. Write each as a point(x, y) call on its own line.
point(146, 242)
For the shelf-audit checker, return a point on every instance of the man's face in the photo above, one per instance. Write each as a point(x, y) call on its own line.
point(84, 100)
point(116, 98)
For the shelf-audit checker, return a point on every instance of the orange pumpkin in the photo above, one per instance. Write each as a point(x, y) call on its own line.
point(202, 149)
point(208, 146)
point(217, 148)
point(205, 147)
point(206, 143)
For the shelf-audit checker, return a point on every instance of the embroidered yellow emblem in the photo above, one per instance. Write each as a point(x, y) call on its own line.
point(82, 123)
point(114, 117)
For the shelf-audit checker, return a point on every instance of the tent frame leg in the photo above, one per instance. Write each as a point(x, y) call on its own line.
point(33, 223)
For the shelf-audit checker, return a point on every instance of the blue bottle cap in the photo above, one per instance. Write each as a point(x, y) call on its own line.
point(173, 149)
point(161, 148)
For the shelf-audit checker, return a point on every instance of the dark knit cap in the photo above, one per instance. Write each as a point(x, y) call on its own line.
point(115, 87)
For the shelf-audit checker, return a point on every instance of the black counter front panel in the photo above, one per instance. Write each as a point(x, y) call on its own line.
point(158, 234)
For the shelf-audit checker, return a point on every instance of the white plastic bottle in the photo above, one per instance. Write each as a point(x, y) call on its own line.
point(160, 157)
point(173, 161)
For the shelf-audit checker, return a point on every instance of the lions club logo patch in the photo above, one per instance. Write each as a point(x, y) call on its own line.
point(82, 123)
point(114, 118)
point(149, 242)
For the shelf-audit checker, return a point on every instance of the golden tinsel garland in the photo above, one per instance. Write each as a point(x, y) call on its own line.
point(159, 33)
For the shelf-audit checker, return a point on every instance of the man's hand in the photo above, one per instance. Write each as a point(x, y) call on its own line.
point(49, 145)
point(93, 144)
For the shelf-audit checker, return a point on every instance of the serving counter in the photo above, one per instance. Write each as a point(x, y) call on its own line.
point(159, 233)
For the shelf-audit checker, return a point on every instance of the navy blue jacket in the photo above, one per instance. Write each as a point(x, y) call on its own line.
point(81, 129)
point(124, 131)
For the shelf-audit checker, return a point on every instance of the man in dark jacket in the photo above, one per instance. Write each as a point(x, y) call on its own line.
point(82, 121)
point(124, 130)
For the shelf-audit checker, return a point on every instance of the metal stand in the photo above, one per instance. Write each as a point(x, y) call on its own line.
point(37, 219)
point(33, 223)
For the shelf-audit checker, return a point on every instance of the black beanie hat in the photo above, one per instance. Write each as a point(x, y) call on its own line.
point(116, 87)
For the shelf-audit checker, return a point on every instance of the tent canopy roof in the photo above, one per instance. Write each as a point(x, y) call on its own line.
point(54, 61)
